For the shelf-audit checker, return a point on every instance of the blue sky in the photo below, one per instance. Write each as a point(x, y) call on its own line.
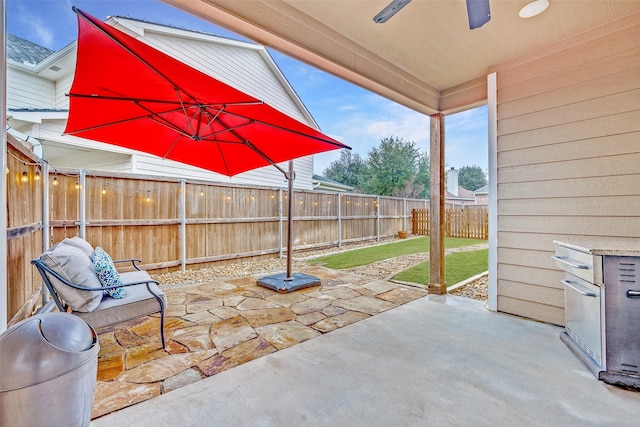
point(343, 111)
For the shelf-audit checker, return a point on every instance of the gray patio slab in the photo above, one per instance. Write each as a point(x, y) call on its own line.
point(439, 360)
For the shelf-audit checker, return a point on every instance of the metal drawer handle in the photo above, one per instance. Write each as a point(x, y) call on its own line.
point(633, 294)
point(570, 264)
point(571, 285)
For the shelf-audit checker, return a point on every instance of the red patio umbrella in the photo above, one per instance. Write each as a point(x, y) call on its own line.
point(129, 94)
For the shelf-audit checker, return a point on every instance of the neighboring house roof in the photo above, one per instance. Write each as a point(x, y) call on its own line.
point(464, 195)
point(25, 52)
point(482, 190)
point(321, 183)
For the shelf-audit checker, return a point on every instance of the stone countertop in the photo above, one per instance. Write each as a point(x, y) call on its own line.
point(606, 246)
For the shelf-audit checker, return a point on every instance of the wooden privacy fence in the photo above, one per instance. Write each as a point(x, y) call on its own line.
point(471, 222)
point(171, 223)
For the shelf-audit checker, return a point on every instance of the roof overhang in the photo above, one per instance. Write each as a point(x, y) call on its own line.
point(425, 57)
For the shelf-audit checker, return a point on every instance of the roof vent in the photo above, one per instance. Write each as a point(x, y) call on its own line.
point(55, 68)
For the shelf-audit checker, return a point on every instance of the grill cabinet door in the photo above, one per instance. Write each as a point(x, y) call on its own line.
point(622, 314)
point(583, 315)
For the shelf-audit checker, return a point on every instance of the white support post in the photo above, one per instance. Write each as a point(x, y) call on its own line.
point(492, 100)
point(4, 299)
point(183, 225)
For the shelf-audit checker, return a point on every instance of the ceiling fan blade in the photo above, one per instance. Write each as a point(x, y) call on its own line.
point(478, 12)
point(391, 9)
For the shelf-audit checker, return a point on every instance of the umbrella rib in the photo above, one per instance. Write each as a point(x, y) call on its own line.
point(184, 110)
point(158, 118)
point(161, 101)
point(248, 143)
point(125, 98)
point(336, 144)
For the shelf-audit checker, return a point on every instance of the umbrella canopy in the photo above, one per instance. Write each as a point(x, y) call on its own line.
point(129, 94)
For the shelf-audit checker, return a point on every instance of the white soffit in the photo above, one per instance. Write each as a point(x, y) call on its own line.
point(425, 49)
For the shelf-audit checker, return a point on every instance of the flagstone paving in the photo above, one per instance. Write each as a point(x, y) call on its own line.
point(211, 327)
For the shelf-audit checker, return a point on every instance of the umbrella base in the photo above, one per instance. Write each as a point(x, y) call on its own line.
point(283, 284)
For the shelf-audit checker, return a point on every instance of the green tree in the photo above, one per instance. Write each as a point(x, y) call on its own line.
point(348, 170)
point(391, 168)
point(423, 177)
point(471, 177)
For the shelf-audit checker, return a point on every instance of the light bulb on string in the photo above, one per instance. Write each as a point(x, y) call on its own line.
point(148, 195)
point(55, 179)
point(25, 174)
point(36, 176)
point(104, 189)
point(77, 185)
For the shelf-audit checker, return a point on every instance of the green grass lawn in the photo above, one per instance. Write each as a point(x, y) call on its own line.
point(458, 266)
point(368, 255)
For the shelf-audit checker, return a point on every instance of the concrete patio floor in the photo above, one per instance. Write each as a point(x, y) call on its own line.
point(438, 360)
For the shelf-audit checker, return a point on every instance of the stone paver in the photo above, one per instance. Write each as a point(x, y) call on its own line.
point(229, 333)
point(212, 326)
point(283, 335)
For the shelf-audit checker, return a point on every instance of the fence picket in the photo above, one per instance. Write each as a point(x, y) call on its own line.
point(467, 222)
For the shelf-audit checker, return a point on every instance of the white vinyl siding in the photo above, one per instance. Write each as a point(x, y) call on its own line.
point(26, 90)
point(568, 159)
point(63, 86)
point(244, 69)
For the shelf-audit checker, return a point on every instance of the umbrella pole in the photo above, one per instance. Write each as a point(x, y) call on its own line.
point(289, 282)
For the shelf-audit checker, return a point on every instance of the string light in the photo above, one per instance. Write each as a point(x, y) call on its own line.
point(104, 189)
point(148, 195)
point(77, 185)
point(55, 179)
point(201, 192)
point(25, 174)
point(36, 177)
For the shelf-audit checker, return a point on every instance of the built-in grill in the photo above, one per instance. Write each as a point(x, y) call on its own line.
point(602, 306)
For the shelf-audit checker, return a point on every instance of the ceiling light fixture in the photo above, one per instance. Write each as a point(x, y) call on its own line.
point(391, 9)
point(534, 8)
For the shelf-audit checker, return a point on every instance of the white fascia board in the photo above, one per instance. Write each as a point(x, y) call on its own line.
point(287, 86)
point(140, 28)
point(59, 56)
point(37, 116)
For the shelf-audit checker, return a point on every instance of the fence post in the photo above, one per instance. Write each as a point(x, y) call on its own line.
point(183, 225)
point(280, 228)
point(404, 213)
point(45, 220)
point(83, 203)
point(378, 218)
point(339, 220)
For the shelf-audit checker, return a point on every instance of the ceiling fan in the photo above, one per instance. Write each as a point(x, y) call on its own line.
point(477, 11)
